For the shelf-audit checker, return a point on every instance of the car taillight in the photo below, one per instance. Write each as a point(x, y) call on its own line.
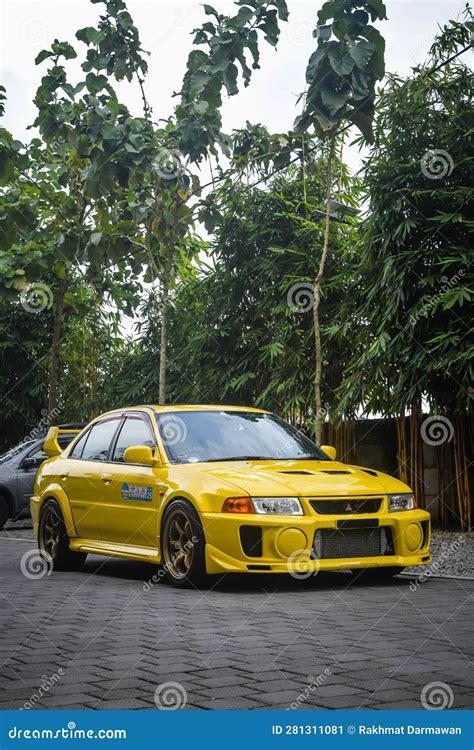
point(238, 505)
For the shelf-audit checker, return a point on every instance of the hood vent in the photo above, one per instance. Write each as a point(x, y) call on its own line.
point(335, 471)
point(371, 472)
point(296, 472)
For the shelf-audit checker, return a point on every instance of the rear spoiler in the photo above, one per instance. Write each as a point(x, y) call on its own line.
point(51, 445)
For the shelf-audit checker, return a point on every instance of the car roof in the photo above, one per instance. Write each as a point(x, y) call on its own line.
point(184, 407)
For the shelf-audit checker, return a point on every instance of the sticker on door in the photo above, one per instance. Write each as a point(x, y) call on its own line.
point(137, 492)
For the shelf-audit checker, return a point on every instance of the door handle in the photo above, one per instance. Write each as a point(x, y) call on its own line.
point(107, 478)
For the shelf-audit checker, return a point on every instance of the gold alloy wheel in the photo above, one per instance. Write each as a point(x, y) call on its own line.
point(50, 534)
point(178, 544)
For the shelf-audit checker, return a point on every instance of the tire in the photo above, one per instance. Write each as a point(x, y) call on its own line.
point(53, 540)
point(183, 546)
point(4, 512)
point(380, 574)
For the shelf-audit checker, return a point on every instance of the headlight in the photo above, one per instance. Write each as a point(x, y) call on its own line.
point(401, 502)
point(281, 506)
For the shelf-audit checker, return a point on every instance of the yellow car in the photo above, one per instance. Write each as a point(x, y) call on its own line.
point(219, 489)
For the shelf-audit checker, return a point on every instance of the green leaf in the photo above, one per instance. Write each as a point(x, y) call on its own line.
point(341, 61)
point(323, 32)
point(230, 79)
point(210, 11)
point(377, 9)
point(314, 62)
point(201, 107)
point(362, 118)
point(43, 55)
point(361, 52)
point(326, 12)
point(332, 100)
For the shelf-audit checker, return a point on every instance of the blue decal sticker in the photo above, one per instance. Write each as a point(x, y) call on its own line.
point(137, 492)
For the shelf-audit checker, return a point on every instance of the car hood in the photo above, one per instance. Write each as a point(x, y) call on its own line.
point(304, 478)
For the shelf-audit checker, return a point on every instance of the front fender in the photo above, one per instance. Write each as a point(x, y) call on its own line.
point(54, 492)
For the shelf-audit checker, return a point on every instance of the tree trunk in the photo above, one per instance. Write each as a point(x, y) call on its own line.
point(317, 299)
point(165, 287)
point(55, 364)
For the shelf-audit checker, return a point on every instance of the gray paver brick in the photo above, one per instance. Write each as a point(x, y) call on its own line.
point(235, 646)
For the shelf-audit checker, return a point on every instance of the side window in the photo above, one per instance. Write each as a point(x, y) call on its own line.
point(135, 431)
point(39, 453)
point(79, 447)
point(99, 439)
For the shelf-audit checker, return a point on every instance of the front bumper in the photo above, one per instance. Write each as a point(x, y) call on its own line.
point(284, 544)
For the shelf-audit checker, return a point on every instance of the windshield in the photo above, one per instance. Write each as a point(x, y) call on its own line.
point(15, 451)
point(198, 436)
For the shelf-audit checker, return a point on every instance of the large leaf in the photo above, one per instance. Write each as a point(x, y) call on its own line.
point(334, 101)
point(361, 52)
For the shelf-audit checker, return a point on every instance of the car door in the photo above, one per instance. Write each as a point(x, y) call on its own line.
point(128, 511)
point(80, 474)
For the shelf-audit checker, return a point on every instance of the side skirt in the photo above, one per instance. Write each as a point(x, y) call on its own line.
point(126, 551)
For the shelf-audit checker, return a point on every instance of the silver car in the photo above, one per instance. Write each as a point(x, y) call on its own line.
point(18, 468)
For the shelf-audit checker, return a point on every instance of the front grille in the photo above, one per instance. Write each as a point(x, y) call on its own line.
point(347, 506)
point(333, 543)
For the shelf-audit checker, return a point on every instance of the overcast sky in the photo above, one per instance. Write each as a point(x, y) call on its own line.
point(165, 28)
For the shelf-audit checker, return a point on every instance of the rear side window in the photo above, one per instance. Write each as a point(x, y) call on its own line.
point(79, 447)
point(98, 440)
point(135, 431)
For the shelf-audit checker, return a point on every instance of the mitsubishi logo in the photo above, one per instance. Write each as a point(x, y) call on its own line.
point(349, 508)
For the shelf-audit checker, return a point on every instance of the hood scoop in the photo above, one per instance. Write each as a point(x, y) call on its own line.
point(335, 471)
point(371, 472)
point(296, 472)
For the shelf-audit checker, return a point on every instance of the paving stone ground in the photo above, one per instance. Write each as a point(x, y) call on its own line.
point(104, 639)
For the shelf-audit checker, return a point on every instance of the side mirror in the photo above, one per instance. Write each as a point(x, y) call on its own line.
point(140, 454)
point(51, 446)
point(32, 463)
point(330, 451)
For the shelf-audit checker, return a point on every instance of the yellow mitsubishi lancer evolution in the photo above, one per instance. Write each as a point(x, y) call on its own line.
point(219, 489)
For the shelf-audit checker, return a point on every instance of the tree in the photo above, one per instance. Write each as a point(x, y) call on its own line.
point(341, 77)
point(415, 250)
point(240, 332)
